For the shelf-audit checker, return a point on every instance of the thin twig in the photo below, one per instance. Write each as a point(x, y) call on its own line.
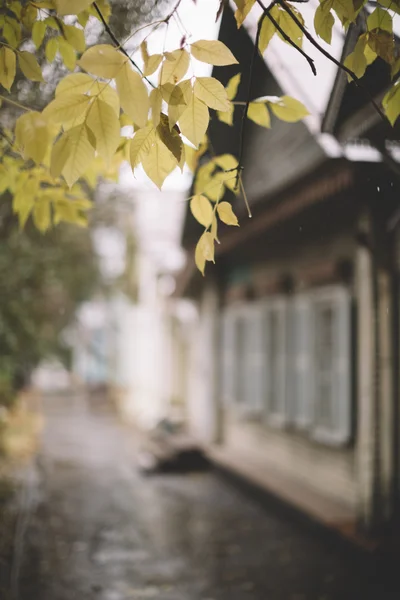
point(246, 108)
point(14, 103)
point(117, 43)
point(341, 66)
point(288, 39)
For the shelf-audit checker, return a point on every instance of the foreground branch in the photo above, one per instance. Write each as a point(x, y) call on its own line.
point(329, 56)
point(117, 43)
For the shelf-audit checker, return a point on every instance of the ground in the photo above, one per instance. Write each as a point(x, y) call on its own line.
point(92, 527)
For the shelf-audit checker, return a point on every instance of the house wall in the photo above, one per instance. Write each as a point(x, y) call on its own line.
point(310, 263)
point(202, 410)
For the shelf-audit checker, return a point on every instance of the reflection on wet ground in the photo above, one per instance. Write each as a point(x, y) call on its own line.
point(100, 530)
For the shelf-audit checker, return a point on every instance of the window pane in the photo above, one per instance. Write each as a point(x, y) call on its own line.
point(324, 362)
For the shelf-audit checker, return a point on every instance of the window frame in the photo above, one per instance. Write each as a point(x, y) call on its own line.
point(339, 298)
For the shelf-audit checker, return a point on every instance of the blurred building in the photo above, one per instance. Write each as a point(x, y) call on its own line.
point(293, 363)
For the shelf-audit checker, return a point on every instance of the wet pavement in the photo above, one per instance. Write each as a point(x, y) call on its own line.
point(96, 529)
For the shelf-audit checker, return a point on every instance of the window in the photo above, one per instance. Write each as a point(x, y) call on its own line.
point(289, 360)
point(243, 359)
point(300, 361)
point(330, 355)
point(275, 332)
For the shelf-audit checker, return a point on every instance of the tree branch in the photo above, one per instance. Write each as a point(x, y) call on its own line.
point(286, 37)
point(247, 104)
point(318, 46)
point(117, 43)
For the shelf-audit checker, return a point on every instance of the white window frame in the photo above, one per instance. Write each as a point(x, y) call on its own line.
point(339, 298)
point(279, 304)
point(300, 372)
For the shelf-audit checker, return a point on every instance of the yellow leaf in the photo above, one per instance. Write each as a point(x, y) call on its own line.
point(226, 214)
point(382, 43)
point(67, 108)
point(227, 117)
point(67, 54)
point(179, 99)
point(155, 105)
point(288, 25)
point(356, 60)
point(227, 162)
point(170, 138)
point(199, 258)
point(29, 66)
point(174, 66)
point(141, 144)
point(380, 19)
point(287, 108)
point(12, 32)
point(72, 154)
point(214, 229)
point(81, 83)
point(42, 215)
point(206, 244)
point(75, 83)
point(193, 122)
point(258, 112)
point(202, 210)
point(213, 52)
point(133, 95)
point(32, 136)
point(51, 49)
point(212, 93)
point(268, 30)
point(191, 156)
point(159, 162)
point(102, 60)
point(232, 86)
point(104, 124)
point(324, 21)
point(243, 9)
point(391, 103)
point(72, 7)
point(38, 31)
point(7, 67)
point(75, 37)
point(152, 64)
point(166, 91)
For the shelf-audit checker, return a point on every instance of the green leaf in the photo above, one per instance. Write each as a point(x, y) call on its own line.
point(30, 66)
point(51, 49)
point(356, 61)
point(7, 67)
point(38, 32)
point(268, 29)
point(380, 19)
point(324, 21)
point(382, 42)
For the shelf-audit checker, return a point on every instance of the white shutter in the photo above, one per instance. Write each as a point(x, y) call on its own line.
point(338, 431)
point(276, 338)
point(301, 372)
point(254, 361)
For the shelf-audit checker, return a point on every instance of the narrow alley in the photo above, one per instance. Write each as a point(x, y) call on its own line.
point(95, 528)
